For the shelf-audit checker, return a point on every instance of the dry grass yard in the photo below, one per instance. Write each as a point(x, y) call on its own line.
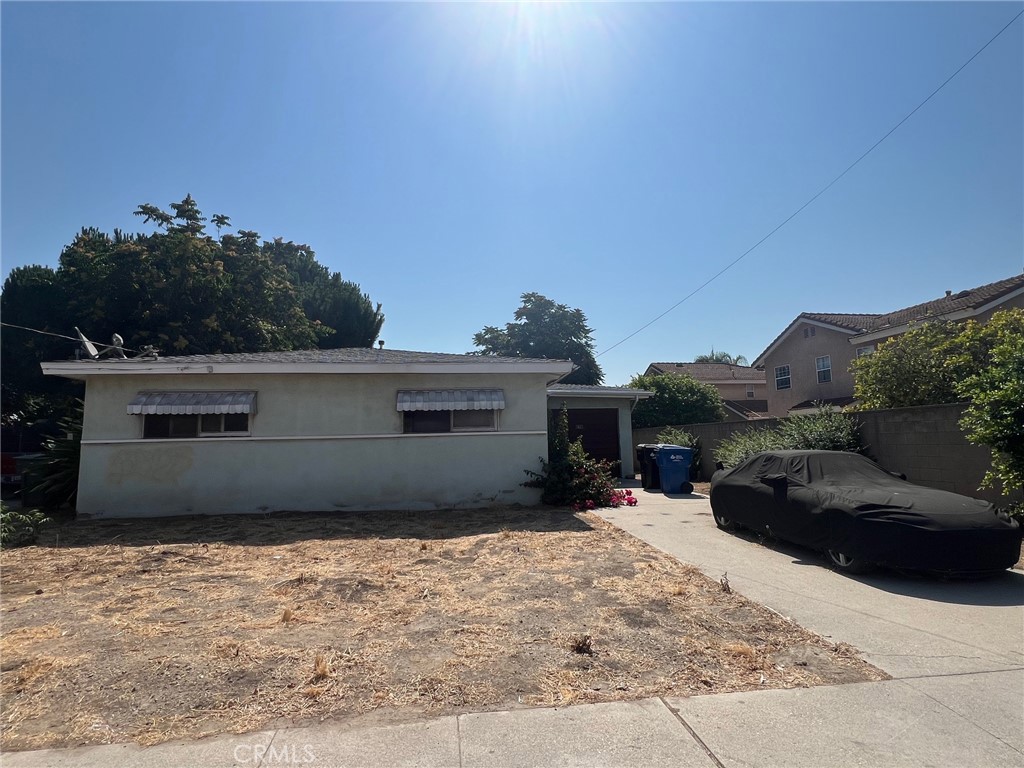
point(147, 630)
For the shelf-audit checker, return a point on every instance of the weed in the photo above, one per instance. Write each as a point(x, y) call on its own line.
point(583, 644)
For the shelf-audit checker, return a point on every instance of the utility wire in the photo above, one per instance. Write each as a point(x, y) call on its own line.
point(822, 191)
point(70, 338)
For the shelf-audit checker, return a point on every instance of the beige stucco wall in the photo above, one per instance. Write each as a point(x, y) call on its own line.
point(318, 442)
point(799, 354)
point(738, 390)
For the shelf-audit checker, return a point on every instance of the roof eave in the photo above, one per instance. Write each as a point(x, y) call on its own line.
point(801, 318)
point(82, 369)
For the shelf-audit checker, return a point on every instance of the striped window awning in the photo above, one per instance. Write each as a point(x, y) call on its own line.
point(188, 403)
point(451, 399)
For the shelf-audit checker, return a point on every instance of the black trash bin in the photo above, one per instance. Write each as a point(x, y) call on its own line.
point(674, 466)
point(646, 456)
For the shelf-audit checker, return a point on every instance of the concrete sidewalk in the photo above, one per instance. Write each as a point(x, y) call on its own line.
point(863, 724)
point(955, 649)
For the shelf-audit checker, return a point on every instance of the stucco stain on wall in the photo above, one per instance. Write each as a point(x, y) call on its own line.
point(159, 465)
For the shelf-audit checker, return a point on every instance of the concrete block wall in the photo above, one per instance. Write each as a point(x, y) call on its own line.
point(925, 443)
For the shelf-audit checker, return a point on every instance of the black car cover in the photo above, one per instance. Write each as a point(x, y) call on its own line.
point(847, 503)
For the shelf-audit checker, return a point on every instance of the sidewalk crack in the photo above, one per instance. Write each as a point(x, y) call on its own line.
point(458, 736)
point(267, 750)
point(693, 733)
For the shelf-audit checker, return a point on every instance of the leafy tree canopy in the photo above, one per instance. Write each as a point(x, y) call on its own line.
point(180, 290)
point(720, 357)
point(995, 391)
point(544, 329)
point(678, 399)
point(919, 367)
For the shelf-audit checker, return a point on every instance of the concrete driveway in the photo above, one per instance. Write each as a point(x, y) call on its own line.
point(955, 648)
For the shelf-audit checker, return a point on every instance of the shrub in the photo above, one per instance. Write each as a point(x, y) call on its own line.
point(19, 527)
point(573, 478)
point(54, 481)
point(825, 430)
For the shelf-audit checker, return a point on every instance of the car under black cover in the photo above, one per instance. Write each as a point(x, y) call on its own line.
point(847, 506)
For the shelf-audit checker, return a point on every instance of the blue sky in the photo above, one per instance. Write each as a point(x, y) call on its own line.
point(450, 157)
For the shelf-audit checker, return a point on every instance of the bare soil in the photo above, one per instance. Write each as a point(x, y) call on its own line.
point(148, 630)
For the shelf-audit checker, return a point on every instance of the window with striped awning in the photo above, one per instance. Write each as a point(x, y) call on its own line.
point(451, 400)
point(191, 403)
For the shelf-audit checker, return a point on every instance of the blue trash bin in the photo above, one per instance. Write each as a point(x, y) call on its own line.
point(674, 468)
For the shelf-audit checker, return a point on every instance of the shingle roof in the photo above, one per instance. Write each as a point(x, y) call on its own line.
point(348, 355)
point(711, 371)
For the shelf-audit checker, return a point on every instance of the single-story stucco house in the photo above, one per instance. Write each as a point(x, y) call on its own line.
point(342, 429)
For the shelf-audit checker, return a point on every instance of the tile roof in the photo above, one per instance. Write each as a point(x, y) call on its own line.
point(711, 371)
point(838, 402)
point(349, 355)
point(848, 321)
point(972, 298)
point(751, 409)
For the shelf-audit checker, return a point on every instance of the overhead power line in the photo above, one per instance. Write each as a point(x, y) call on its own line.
point(818, 194)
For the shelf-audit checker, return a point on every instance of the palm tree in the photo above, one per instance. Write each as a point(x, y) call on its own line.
point(720, 357)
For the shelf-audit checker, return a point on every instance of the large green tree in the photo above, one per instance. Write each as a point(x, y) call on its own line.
point(544, 329)
point(343, 315)
point(180, 290)
point(32, 298)
point(911, 369)
point(678, 399)
point(995, 392)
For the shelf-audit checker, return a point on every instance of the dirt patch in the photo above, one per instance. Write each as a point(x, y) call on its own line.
point(148, 630)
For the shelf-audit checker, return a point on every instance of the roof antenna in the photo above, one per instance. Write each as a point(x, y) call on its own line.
point(115, 349)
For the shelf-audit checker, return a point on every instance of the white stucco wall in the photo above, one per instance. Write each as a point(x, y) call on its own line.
point(318, 442)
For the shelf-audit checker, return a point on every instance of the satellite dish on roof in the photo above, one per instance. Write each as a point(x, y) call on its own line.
point(118, 348)
point(87, 346)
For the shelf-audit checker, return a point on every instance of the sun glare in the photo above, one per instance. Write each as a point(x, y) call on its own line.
point(535, 53)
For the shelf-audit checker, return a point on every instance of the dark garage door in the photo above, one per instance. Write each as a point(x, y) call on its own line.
point(599, 428)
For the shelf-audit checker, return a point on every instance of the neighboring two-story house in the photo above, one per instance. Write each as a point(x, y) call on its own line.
point(809, 362)
point(743, 389)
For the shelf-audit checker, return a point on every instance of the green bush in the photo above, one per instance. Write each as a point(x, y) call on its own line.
point(54, 480)
point(19, 527)
point(825, 430)
point(571, 477)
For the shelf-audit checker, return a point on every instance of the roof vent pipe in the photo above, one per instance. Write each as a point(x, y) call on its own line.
point(948, 294)
point(380, 343)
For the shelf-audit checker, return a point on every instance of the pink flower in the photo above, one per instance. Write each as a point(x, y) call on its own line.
point(628, 492)
point(590, 504)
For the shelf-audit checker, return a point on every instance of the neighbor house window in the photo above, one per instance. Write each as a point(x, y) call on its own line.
point(782, 377)
point(861, 351)
point(808, 331)
point(824, 367)
point(427, 411)
point(750, 390)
